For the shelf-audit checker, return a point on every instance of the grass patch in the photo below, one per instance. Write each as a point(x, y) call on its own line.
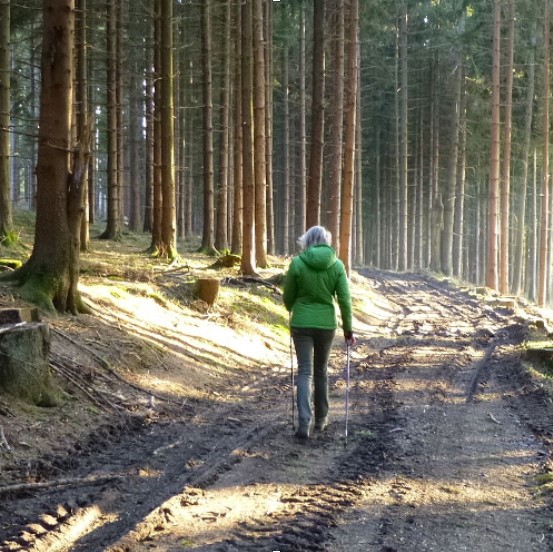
point(260, 306)
point(544, 483)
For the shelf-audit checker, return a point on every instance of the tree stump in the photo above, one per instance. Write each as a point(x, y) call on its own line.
point(24, 366)
point(208, 290)
point(227, 261)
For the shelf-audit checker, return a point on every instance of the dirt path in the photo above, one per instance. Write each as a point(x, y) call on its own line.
point(443, 452)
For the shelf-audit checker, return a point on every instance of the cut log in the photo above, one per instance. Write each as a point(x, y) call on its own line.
point(208, 290)
point(14, 316)
point(24, 363)
point(227, 261)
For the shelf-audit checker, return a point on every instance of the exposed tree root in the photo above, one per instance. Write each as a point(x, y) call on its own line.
point(104, 363)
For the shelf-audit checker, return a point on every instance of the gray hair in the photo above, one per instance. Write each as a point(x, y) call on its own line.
point(316, 235)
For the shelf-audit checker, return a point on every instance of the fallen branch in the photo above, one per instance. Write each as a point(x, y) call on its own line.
point(245, 280)
point(63, 372)
point(4, 410)
point(181, 268)
point(104, 363)
point(68, 482)
point(3, 441)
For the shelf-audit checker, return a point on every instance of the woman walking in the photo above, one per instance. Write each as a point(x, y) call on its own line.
point(315, 278)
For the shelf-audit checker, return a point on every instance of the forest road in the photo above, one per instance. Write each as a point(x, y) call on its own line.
point(446, 445)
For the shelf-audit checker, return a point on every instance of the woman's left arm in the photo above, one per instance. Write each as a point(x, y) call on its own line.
point(290, 288)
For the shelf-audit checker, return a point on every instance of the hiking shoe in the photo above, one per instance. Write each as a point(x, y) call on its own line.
point(321, 424)
point(303, 431)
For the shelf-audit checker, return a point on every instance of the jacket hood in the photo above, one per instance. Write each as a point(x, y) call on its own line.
point(319, 257)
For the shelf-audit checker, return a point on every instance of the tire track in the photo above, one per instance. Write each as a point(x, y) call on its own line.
point(232, 478)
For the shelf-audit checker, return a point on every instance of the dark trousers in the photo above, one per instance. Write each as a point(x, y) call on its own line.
point(312, 351)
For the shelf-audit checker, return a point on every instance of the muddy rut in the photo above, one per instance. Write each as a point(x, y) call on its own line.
point(446, 443)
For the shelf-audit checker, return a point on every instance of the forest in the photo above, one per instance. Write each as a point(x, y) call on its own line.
point(416, 131)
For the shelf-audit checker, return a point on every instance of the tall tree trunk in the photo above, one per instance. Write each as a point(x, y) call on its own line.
point(238, 184)
point(449, 198)
point(403, 144)
point(150, 80)
point(83, 110)
point(169, 212)
point(221, 234)
point(268, 58)
point(533, 253)
point(334, 193)
point(135, 218)
point(378, 258)
point(459, 215)
point(248, 242)
point(260, 140)
point(419, 242)
point(113, 228)
point(493, 192)
point(518, 262)
point(157, 190)
point(120, 68)
point(315, 175)
point(359, 224)
point(544, 220)
point(506, 161)
point(301, 190)
point(182, 121)
point(208, 236)
point(50, 276)
point(435, 203)
point(349, 132)
point(287, 219)
point(5, 72)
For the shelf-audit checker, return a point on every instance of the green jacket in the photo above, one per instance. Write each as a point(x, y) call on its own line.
point(314, 279)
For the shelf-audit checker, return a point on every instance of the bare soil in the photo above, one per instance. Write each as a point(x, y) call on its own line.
point(176, 433)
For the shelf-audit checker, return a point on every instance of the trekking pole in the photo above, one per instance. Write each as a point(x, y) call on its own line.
point(292, 375)
point(347, 392)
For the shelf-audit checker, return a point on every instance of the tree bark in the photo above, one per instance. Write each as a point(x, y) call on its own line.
point(269, 100)
point(518, 262)
point(544, 220)
point(24, 363)
point(301, 190)
point(5, 72)
point(157, 185)
point(113, 228)
point(287, 204)
point(349, 134)
point(84, 119)
point(238, 196)
point(493, 192)
point(168, 244)
point(221, 234)
point(260, 142)
point(248, 242)
point(506, 161)
point(315, 175)
point(50, 276)
point(334, 193)
point(403, 236)
point(208, 235)
point(459, 212)
point(449, 199)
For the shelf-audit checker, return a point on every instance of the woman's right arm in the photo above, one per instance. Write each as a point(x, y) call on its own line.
point(344, 300)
